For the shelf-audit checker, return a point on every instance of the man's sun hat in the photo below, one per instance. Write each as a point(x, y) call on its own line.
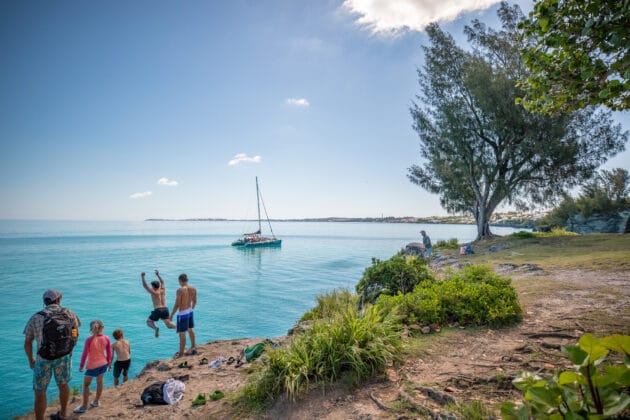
point(52, 295)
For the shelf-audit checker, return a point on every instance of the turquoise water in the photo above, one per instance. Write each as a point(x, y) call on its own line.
point(241, 293)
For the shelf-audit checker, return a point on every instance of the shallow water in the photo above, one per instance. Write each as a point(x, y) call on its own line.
point(241, 293)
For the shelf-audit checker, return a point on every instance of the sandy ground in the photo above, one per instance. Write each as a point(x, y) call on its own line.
point(460, 364)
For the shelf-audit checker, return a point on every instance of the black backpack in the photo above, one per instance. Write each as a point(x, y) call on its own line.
point(153, 394)
point(57, 335)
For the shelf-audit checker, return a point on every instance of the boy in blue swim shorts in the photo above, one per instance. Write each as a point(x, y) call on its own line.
point(185, 302)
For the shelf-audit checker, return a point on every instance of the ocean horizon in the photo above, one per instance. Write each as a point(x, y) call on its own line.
point(241, 292)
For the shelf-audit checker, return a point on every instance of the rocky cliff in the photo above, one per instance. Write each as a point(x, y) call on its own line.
point(600, 223)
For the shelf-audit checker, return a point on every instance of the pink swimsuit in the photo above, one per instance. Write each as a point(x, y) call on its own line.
point(98, 352)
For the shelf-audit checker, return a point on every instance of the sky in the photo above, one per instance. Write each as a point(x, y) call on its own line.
point(124, 110)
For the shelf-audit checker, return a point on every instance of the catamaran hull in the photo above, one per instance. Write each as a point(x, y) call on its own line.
point(264, 243)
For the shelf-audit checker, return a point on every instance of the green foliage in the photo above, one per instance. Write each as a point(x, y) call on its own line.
point(398, 274)
point(75, 390)
point(476, 295)
point(553, 233)
point(450, 244)
point(578, 54)
point(331, 304)
point(608, 192)
point(478, 147)
point(595, 388)
point(353, 344)
point(522, 234)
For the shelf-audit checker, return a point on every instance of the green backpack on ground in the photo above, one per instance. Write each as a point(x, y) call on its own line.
point(253, 352)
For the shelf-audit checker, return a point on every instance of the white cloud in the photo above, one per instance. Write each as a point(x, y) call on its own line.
point(298, 102)
point(386, 17)
point(243, 158)
point(167, 182)
point(141, 195)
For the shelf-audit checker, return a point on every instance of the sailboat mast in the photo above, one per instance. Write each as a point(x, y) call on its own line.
point(258, 202)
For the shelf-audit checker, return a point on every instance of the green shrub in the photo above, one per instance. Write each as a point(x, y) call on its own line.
point(476, 295)
point(331, 304)
point(553, 233)
point(398, 274)
point(356, 345)
point(556, 232)
point(450, 244)
point(595, 388)
point(522, 234)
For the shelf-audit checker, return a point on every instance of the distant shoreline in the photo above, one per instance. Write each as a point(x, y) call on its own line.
point(501, 220)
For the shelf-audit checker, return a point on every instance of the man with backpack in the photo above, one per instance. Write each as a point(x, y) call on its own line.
point(56, 330)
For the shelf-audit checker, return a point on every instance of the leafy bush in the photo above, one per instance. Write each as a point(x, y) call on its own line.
point(587, 391)
point(450, 244)
point(331, 304)
point(553, 233)
point(476, 295)
point(355, 344)
point(398, 274)
point(522, 234)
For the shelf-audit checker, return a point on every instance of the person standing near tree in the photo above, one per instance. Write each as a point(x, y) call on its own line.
point(47, 363)
point(426, 241)
point(185, 302)
point(158, 296)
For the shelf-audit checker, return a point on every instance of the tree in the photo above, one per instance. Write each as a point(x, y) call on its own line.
point(580, 55)
point(479, 147)
point(612, 186)
point(608, 192)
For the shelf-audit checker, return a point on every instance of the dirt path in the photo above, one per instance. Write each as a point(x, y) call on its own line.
point(459, 364)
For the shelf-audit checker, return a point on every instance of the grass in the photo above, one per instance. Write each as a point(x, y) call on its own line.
point(608, 252)
point(352, 345)
point(473, 410)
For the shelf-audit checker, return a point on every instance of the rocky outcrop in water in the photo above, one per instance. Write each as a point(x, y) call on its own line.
point(600, 223)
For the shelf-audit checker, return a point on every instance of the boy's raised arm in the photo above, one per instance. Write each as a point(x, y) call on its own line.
point(144, 282)
point(157, 273)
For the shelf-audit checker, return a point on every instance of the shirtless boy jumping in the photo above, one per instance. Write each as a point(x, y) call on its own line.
point(160, 310)
point(185, 302)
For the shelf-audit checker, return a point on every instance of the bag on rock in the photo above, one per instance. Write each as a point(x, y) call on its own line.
point(153, 394)
point(173, 390)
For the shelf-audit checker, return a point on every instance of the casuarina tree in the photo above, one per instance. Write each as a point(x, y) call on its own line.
point(479, 148)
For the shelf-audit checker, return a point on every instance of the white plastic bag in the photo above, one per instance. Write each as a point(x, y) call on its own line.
point(173, 390)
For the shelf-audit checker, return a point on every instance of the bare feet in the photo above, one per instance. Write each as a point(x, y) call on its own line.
point(157, 332)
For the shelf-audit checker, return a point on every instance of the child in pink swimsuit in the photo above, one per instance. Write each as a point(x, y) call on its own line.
point(98, 353)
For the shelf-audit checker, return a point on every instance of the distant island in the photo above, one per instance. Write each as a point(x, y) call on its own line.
point(509, 219)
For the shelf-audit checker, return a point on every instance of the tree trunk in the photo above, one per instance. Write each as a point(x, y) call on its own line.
point(482, 218)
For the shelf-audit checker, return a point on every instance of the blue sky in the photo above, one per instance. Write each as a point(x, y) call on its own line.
point(132, 110)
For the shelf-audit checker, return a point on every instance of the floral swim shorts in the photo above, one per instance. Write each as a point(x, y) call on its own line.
point(44, 369)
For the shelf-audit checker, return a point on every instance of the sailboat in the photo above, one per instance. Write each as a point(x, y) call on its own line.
point(255, 239)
